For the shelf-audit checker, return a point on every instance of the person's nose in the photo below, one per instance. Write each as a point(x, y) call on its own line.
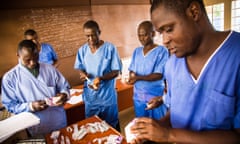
point(90, 38)
point(141, 38)
point(166, 39)
point(33, 63)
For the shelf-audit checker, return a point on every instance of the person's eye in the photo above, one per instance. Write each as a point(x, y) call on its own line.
point(26, 61)
point(169, 29)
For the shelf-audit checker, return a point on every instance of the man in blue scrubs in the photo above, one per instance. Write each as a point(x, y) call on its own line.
point(203, 76)
point(46, 51)
point(29, 85)
point(99, 64)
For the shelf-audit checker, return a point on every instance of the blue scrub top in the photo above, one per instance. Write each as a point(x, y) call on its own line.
point(153, 62)
point(103, 61)
point(213, 102)
point(47, 54)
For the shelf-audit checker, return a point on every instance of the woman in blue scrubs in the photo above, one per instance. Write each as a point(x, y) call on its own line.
point(146, 72)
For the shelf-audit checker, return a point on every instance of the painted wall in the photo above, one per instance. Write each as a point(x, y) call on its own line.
point(119, 24)
point(62, 28)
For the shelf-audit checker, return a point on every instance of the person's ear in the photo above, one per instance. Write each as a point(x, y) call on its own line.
point(194, 11)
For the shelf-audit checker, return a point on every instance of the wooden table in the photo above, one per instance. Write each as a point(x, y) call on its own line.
point(88, 138)
point(76, 112)
point(125, 95)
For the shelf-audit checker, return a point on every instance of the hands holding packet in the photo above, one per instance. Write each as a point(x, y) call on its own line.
point(144, 129)
point(57, 100)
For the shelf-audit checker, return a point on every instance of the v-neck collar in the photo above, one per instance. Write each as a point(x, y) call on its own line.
point(208, 61)
point(145, 55)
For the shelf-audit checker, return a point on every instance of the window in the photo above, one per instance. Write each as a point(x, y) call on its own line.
point(216, 15)
point(235, 20)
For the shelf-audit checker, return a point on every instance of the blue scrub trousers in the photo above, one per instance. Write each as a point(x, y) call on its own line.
point(157, 113)
point(108, 113)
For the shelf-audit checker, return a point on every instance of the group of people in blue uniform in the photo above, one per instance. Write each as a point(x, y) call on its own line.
point(187, 91)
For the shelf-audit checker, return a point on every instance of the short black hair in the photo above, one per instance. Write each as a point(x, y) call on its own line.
point(147, 25)
point(178, 6)
point(29, 44)
point(91, 24)
point(30, 32)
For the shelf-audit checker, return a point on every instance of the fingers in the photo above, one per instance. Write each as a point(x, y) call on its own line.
point(131, 81)
point(135, 141)
point(39, 105)
point(143, 120)
point(96, 81)
point(60, 99)
point(150, 105)
point(141, 135)
point(132, 74)
point(83, 76)
point(140, 124)
point(95, 84)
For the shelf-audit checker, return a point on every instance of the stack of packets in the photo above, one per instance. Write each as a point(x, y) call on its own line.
point(78, 133)
point(129, 135)
point(52, 101)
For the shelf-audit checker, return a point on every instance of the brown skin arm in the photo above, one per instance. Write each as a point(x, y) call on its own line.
point(159, 131)
point(110, 75)
point(133, 77)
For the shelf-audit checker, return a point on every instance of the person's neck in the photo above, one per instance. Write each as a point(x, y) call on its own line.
point(34, 71)
point(94, 47)
point(148, 47)
point(210, 42)
point(210, 39)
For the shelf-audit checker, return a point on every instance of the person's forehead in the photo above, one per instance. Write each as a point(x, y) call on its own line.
point(162, 16)
point(142, 30)
point(26, 51)
point(92, 30)
point(30, 37)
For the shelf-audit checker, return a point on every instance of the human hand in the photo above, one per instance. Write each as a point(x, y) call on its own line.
point(59, 99)
point(132, 78)
point(95, 84)
point(39, 105)
point(154, 103)
point(83, 76)
point(148, 129)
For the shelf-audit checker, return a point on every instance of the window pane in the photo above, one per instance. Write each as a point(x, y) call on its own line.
point(235, 15)
point(216, 15)
point(235, 12)
point(235, 4)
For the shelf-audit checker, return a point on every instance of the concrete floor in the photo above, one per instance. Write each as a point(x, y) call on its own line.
point(125, 117)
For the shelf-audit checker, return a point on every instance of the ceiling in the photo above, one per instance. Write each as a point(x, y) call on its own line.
point(24, 4)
